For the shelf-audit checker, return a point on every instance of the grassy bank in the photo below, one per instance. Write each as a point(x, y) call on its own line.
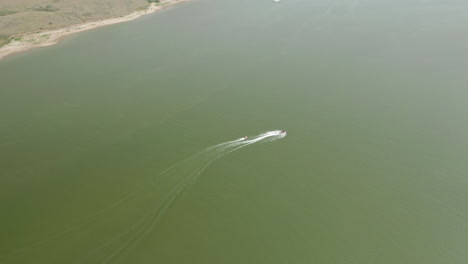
point(4, 40)
point(45, 37)
point(21, 16)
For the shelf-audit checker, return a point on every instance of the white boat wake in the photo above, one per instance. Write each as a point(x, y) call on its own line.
point(156, 196)
point(209, 155)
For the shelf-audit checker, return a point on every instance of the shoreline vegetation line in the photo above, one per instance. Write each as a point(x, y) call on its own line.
point(26, 41)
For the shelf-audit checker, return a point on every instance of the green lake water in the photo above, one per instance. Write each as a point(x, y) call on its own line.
point(99, 137)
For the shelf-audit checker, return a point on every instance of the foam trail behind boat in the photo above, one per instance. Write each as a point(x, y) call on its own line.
point(224, 144)
point(204, 159)
point(163, 190)
point(214, 153)
point(270, 135)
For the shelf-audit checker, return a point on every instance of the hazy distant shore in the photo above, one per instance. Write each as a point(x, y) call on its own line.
point(27, 41)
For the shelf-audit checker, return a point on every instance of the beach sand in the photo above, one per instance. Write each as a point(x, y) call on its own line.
point(27, 41)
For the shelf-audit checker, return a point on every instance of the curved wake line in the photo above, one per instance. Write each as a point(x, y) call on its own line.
point(159, 210)
point(207, 156)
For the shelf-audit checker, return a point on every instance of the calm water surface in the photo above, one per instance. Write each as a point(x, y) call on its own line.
point(373, 168)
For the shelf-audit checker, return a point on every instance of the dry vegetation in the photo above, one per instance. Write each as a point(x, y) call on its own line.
point(20, 16)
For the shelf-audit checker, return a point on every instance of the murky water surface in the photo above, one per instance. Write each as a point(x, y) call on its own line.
point(109, 141)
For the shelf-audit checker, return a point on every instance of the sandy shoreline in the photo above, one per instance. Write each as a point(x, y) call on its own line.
point(27, 41)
